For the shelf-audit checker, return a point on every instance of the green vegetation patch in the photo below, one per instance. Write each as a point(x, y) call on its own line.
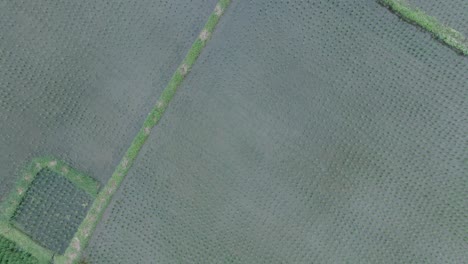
point(12, 254)
point(447, 35)
point(52, 210)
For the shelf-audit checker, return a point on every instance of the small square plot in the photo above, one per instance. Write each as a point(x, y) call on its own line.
point(52, 210)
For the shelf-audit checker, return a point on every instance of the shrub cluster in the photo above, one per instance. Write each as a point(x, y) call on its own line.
point(11, 254)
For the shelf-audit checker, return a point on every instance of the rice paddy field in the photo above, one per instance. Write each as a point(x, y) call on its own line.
point(287, 132)
point(78, 78)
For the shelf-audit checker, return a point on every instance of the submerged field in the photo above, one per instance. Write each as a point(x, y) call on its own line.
point(306, 131)
point(77, 80)
point(324, 132)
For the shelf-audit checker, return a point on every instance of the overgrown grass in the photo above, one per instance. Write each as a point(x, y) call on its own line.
point(445, 34)
point(82, 236)
point(9, 206)
point(11, 253)
point(25, 243)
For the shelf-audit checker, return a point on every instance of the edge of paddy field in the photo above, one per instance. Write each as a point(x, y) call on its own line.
point(447, 35)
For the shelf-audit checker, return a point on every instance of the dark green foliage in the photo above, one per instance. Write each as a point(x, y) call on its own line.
point(83, 261)
point(11, 254)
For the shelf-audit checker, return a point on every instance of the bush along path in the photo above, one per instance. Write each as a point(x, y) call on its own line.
point(447, 35)
point(84, 232)
point(11, 253)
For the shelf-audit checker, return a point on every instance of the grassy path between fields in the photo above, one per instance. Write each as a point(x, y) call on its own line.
point(445, 34)
point(84, 232)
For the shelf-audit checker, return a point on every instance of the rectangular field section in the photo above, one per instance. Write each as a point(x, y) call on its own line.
point(52, 210)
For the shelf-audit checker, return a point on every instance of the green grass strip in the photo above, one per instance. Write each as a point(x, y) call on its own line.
point(445, 34)
point(82, 236)
point(24, 242)
point(80, 180)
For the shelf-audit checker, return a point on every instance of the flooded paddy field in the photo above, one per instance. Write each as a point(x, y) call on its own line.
point(77, 78)
point(307, 131)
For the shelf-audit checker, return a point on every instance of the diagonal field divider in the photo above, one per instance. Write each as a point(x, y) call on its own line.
point(443, 33)
point(84, 232)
